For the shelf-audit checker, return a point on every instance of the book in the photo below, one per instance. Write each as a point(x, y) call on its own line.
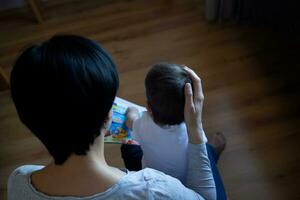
point(118, 132)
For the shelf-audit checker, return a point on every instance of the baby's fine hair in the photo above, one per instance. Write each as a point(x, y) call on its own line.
point(165, 92)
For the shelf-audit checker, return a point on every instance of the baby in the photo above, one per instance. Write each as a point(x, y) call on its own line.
point(161, 131)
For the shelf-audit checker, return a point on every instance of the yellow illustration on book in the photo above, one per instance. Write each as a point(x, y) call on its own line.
point(119, 132)
point(122, 133)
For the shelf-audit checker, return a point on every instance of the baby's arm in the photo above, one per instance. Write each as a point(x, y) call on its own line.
point(132, 114)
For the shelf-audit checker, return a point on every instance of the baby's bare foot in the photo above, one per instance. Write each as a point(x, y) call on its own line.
point(219, 142)
point(132, 114)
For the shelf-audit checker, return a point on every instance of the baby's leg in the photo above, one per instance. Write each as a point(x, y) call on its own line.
point(132, 156)
point(218, 143)
point(132, 114)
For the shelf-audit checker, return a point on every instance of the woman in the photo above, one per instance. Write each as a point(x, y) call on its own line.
point(63, 90)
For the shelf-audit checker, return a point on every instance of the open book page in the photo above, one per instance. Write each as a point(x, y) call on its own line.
point(119, 132)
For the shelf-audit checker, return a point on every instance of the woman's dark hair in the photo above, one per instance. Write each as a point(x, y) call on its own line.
point(63, 90)
point(165, 93)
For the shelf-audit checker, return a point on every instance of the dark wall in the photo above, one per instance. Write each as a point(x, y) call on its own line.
point(281, 14)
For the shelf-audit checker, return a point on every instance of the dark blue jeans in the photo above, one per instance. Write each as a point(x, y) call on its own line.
point(213, 158)
point(132, 156)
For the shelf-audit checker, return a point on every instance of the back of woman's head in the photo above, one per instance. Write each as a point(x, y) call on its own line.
point(63, 90)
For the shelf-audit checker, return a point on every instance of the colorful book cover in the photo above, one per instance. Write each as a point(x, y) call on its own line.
point(119, 132)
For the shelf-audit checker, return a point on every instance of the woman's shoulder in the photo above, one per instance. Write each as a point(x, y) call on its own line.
point(157, 184)
point(146, 183)
point(24, 171)
point(19, 179)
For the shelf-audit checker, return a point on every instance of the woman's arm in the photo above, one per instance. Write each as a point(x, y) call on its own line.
point(199, 174)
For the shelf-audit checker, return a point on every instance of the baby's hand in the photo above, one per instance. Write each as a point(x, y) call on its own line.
point(132, 114)
point(193, 109)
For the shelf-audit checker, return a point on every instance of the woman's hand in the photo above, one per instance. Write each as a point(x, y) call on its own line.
point(193, 109)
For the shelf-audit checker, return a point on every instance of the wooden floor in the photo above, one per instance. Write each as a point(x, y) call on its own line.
point(250, 77)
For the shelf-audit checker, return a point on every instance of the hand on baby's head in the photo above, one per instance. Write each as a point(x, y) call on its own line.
point(193, 108)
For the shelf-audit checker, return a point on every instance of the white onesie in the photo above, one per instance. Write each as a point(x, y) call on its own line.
point(164, 148)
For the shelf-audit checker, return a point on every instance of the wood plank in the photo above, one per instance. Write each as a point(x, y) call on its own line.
point(250, 78)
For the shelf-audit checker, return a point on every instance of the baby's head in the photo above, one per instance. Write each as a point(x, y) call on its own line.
point(165, 93)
